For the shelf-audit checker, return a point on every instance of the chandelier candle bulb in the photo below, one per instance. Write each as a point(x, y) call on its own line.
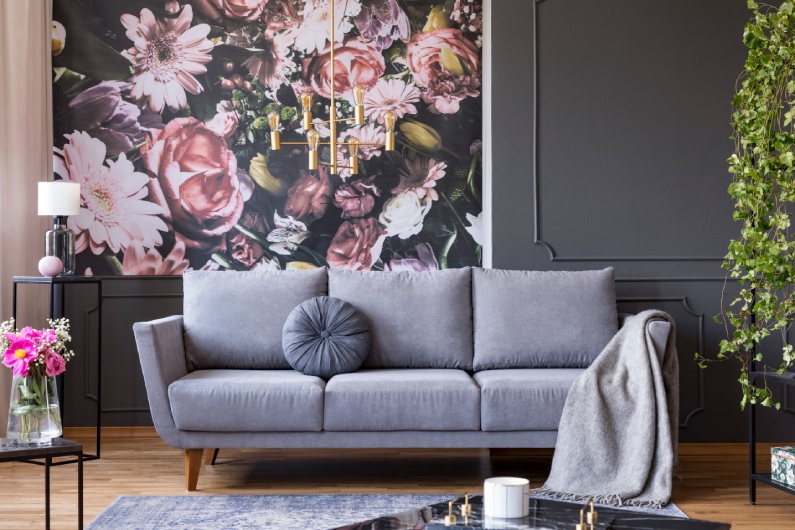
point(306, 106)
point(353, 150)
point(389, 124)
point(312, 140)
point(358, 102)
point(276, 137)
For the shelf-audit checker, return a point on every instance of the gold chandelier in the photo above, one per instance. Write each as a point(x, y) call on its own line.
point(313, 136)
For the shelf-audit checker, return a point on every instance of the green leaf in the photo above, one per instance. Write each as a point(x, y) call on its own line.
point(86, 54)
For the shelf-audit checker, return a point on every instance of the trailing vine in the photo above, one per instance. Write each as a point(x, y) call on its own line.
point(762, 258)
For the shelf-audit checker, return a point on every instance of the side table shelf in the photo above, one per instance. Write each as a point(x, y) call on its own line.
point(787, 379)
point(58, 285)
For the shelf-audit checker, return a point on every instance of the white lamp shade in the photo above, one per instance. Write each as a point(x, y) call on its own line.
point(59, 198)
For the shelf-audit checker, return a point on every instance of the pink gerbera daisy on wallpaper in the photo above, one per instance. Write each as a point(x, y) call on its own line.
point(395, 95)
point(271, 63)
point(113, 212)
point(166, 54)
point(420, 175)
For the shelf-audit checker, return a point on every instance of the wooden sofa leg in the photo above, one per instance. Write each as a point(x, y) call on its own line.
point(209, 456)
point(193, 464)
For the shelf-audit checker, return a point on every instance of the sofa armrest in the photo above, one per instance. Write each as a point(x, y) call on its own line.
point(658, 330)
point(161, 350)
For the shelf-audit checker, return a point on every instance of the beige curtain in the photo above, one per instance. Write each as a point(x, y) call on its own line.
point(25, 158)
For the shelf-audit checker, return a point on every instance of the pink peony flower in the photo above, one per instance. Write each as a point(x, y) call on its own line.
point(420, 175)
point(19, 355)
point(309, 197)
point(271, 63)
point(54, 364)
point(165, 55)
point(245, 10)
point(447, 63)
point(356, 63)
point(394, 95)
point(224, 124)
point(140, 262)
point(113, 212)
point(356, 199)
point(446, 91)
point(242, 247)
point(356, 245)
point(196, 179)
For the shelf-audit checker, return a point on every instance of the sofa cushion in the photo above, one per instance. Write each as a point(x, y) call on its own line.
point(402, 400)
point(542, 319)
point(524, 399)
point(247, 401)
point(417, 319)
point(235, 319)
point(325, 336)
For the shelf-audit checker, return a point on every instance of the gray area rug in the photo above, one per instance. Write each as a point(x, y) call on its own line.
point(283, 512)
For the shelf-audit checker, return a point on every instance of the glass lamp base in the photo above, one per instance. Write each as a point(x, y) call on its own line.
point(59, 241)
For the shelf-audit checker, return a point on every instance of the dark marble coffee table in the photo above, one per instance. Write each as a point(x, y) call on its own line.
point(544, 514)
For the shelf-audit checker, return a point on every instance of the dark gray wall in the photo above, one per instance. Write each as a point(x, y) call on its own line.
point(633, 103)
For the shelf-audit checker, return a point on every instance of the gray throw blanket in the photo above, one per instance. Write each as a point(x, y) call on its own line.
point(617, 440)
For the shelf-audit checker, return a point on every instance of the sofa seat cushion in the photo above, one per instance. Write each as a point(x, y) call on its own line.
point(402, 400)
point(235, 319)
point(524, 399)
point(542, 319)
point(417, 319)
point(247, 401)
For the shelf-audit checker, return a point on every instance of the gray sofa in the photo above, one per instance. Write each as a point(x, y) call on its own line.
point(459, 358)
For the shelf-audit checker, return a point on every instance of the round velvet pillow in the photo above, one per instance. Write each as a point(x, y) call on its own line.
point(325, 336)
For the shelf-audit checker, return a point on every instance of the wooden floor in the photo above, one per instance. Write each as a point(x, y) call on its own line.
point(712, 486)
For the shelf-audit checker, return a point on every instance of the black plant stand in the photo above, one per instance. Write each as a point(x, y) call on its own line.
point(58, 285)
point(59, 447)
point(787, 379)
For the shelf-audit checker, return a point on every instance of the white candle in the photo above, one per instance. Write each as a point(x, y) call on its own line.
point(506, 497)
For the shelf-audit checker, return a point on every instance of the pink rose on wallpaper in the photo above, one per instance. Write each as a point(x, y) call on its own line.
point(447, 63)
point(196, 177)
point(357, 198)
point(356, 63)
point(309, 197)
point(243, 248)
point(245, 10)
point(54, 364)
point(356, 245)
point(224, 123)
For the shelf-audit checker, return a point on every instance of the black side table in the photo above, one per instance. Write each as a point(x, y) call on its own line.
point(59, 447)
point(59, 283)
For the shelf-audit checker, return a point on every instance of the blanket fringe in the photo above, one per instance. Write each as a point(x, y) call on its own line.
point(608, 500)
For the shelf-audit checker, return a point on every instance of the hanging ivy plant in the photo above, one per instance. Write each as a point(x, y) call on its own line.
point(762, 258)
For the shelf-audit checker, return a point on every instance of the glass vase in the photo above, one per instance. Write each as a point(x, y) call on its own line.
point(34, 417)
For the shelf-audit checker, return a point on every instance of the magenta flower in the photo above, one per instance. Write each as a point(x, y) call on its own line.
point(54, 364)
point(19, 355)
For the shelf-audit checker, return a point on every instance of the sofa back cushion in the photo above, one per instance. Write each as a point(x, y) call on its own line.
point(542, 319)
point(417, 319)
point(235, 319)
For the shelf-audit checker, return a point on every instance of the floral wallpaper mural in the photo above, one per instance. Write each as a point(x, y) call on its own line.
point(160, 113)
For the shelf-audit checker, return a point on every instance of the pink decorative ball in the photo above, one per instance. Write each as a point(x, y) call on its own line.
point(50, 266)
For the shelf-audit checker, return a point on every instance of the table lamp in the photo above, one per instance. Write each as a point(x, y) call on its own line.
point(60, 199)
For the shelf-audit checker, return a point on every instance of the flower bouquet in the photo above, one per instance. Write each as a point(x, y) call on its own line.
point(35, 358)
